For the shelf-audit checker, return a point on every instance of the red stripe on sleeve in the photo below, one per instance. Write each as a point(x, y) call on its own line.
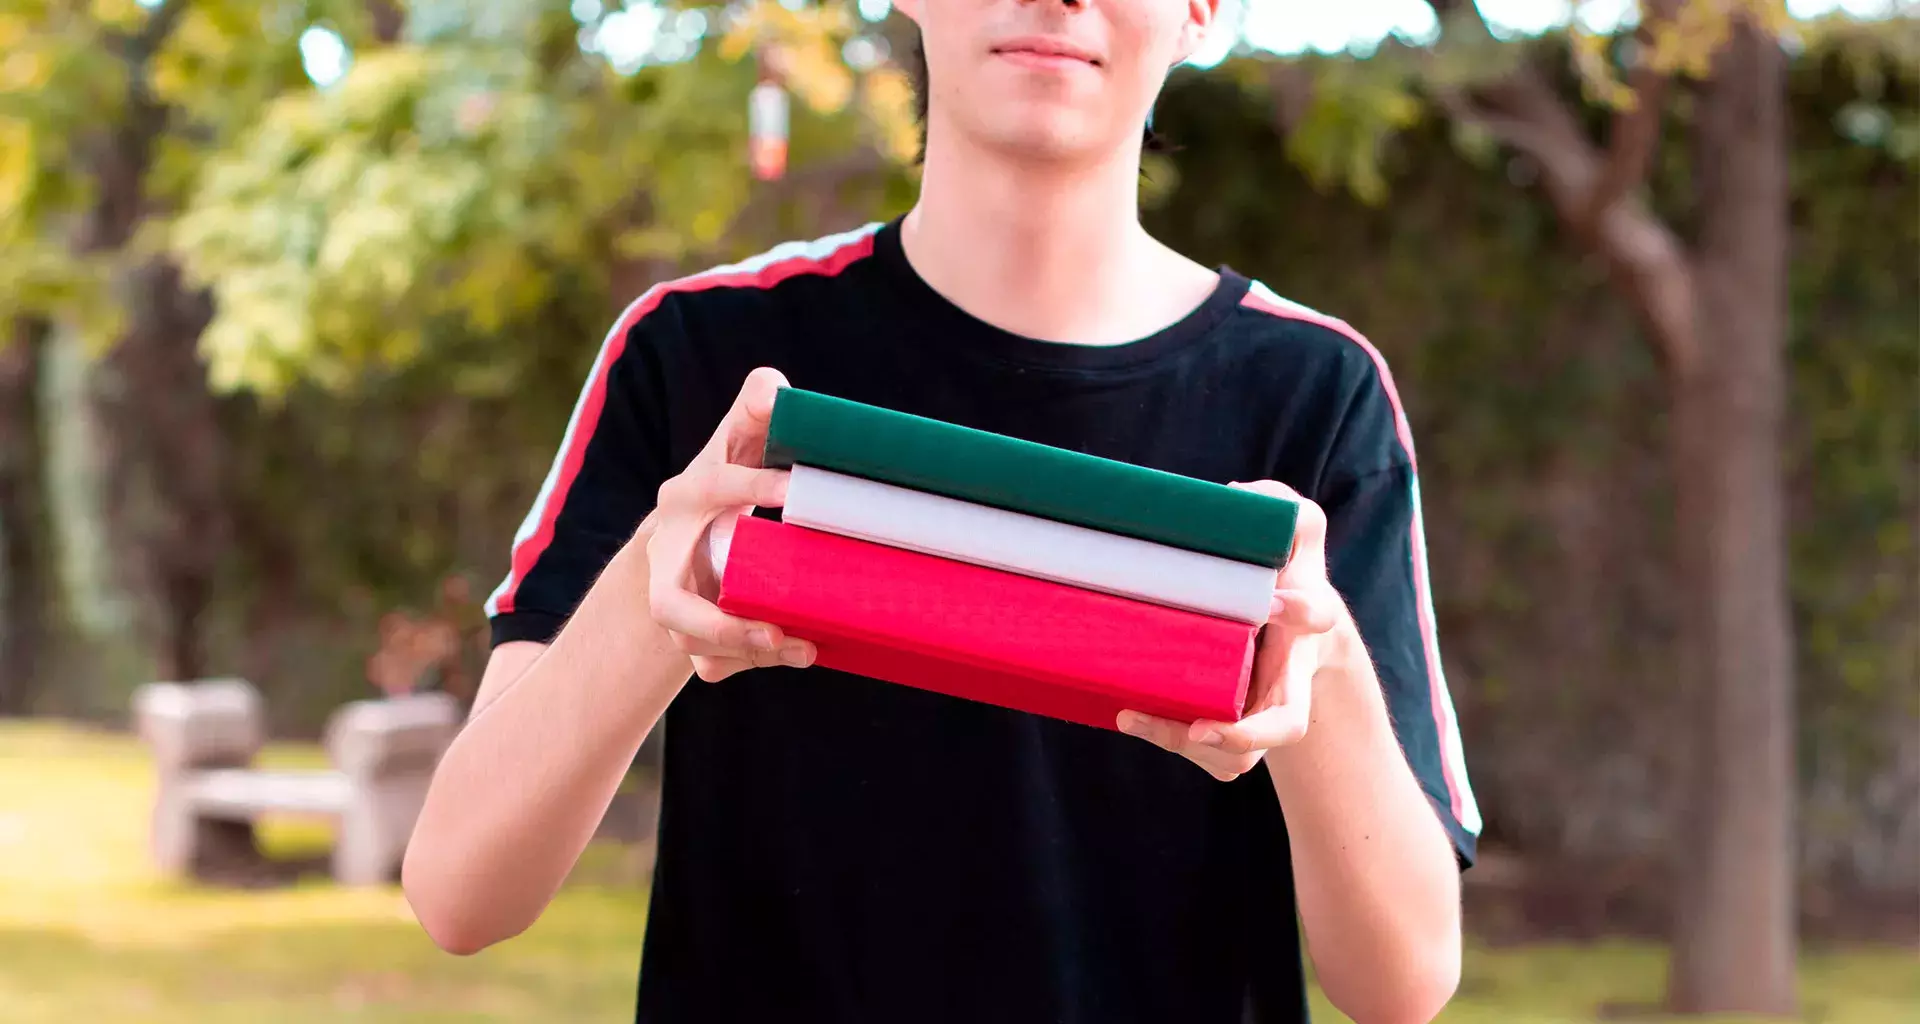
point(1423, 598)
point(1400, 425)
point(526, 553)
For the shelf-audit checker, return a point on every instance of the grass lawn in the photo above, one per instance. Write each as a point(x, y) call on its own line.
point(88, 933)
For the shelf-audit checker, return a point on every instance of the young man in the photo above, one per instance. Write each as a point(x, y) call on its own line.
point(834, 848)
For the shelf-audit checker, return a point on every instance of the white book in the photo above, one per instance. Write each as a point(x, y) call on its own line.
point(1062, 552)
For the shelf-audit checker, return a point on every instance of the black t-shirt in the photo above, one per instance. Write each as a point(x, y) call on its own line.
point(834, 848)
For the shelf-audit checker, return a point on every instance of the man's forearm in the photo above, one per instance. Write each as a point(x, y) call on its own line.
point(521, 791)
point(1377, 881)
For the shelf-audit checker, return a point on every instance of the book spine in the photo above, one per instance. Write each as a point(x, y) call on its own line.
point(1015, 542)
point(1023, 476)
point(983, 634)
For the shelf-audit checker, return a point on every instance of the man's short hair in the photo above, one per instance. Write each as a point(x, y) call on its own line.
point(916, 65)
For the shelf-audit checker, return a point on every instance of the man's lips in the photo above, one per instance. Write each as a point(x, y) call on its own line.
point(1045, 53)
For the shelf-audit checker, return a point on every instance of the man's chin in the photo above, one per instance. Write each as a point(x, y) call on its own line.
point(1048, 139)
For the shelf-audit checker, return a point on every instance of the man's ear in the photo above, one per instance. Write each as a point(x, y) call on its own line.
point(1201, 15)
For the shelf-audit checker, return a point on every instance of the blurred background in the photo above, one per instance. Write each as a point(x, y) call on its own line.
point(296, 297)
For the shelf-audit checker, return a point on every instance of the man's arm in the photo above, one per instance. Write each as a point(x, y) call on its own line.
point(520, 791)
point(523, 787)
point(1377, 882)
point(1374, 869)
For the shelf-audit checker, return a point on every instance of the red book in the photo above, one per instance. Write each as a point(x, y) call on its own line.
point(985, 634)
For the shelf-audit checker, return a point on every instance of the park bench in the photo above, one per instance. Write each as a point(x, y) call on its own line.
point(205, 735)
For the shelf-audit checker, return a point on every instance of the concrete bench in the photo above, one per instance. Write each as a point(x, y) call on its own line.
point(204, 737)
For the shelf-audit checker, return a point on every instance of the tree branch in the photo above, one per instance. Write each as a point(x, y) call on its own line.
point(1533, 139)
point(1592, 189)
point(1635, 132)
point(159, 26)
point(118, 153)
point(1634, 137)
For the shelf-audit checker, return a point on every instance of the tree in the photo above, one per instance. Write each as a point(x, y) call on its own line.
point(26, 528)
point(112, 108)
point(1714, 308)
point(36, 275)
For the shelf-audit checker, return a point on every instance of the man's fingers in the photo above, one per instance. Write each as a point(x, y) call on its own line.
point(681, 611)
point(1259, 732)
point(1283, 721)
point(1171, 736)
point(792, 652)
point(707, 491)
point(1310, 530)
point(701, 648)
point(742, 435)
point(695, 515)
point(704, 631)
point(725, 476)
point(1273, 487)
point(1304, 611)
point(714, 668)
point(1167, 735)
point(698, 625)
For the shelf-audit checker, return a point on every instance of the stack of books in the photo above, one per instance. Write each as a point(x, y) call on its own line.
point(996, 569)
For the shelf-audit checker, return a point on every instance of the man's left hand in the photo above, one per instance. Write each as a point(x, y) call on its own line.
point(1293, 647)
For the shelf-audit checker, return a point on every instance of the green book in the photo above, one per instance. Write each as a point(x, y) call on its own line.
point(923, 454)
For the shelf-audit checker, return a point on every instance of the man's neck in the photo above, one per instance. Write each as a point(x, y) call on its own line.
point(1054, 252)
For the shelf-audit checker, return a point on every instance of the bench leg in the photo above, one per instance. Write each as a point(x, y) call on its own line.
point(361, 853)
point(188, 845)
point(173, 835)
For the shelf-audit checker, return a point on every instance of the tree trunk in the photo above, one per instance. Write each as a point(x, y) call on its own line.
point(1734, 934)
point(1719, 317)
point(166, 500)
point(166, 464)
point(27, 589)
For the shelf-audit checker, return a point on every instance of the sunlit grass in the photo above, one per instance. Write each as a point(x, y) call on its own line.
point(89, 933)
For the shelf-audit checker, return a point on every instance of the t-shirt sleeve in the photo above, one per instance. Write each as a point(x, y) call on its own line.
point(1377, 560)
point(603, 481)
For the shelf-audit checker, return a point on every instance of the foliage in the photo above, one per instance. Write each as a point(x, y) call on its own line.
point(446, 183)
point(1855, 365)
point(440, 188)
point(51, 81)
point(1359, 104)
point(80, 78)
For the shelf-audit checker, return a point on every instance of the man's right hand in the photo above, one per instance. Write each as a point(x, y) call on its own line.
point(724, 480)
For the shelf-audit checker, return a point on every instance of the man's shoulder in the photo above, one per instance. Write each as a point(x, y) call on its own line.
point(773, 276)
point(1353, 374)
point(1301, 333)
